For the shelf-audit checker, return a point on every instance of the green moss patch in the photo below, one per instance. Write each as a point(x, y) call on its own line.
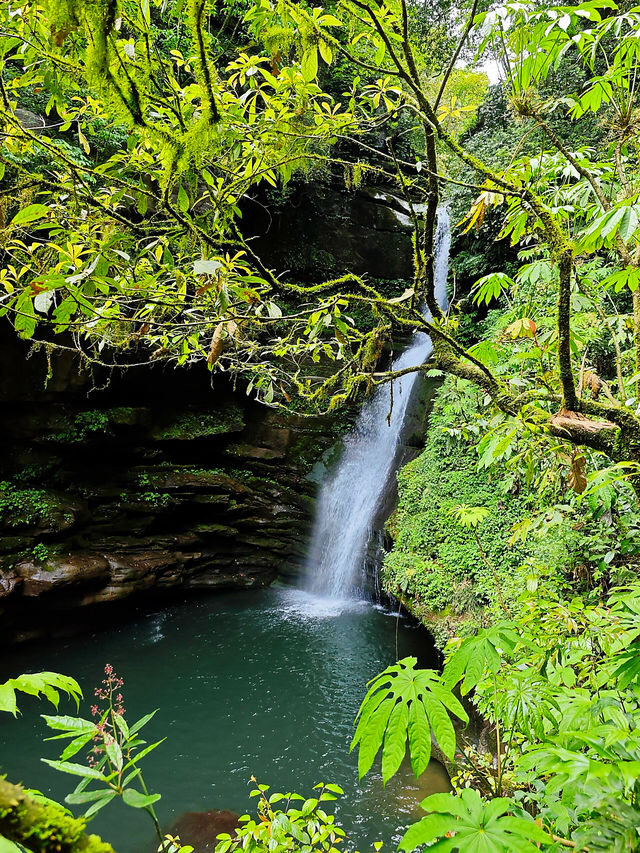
point(436, 565)
point(201, 424)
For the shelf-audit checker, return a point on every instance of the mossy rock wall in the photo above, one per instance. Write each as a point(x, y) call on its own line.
point(435, 565)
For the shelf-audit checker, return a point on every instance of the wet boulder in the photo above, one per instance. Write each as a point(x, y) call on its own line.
point(76, 570)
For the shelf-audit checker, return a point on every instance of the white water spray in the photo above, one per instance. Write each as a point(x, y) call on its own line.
point(351, 497)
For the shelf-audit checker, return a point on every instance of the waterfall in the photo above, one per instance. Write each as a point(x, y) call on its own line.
point(351, 497)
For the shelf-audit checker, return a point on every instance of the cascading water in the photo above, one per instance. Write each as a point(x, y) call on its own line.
point(351, 497)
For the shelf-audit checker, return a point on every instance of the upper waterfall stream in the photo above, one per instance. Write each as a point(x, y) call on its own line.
point(351, 496)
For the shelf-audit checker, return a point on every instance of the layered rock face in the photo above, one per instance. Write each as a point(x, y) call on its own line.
point(103, 504)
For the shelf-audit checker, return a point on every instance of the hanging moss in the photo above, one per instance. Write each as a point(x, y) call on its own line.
point(197, 15)
point(63, 15)
point(279, 40)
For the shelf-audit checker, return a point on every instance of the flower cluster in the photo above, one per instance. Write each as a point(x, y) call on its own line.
point(108, 693)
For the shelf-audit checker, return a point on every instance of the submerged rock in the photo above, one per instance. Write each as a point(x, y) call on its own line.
point(199, 829)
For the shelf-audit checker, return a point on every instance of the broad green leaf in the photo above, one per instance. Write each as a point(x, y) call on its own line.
point(309, 64)
point(441, 724)
point(25, 319)
point(308, 806)
point(114, 752)
point(7, 846)
point(526, 828)
point(470, 824)
point(331, 21)
point(75, 746)
point(104, 800)
point(425, 831)
point(627, 277)
point(395, 739)
point(446, 803)
point(367, 708)
point(71, 725)
point(183, 199)
point(8, 698)
point(281, 825)
point(137, 800)
point(121, 724)
point(372, 737)
point(325, 51)
point(31, 213)
point(419, 738)
point(75, 769)
point(36, 684)
point(474, 670)
point(450, 701)
point(83, 797)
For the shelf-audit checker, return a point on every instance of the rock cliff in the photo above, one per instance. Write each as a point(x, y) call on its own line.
point(172, 488)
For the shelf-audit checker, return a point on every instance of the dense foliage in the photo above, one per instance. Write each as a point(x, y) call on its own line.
point(124, 243)
point(558, 682)
point(150, 259)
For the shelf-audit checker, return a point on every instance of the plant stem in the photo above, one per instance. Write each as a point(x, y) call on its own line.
point(151, 812)
point(397, 623)
point(565, 842)
point(498, 744)
point(508, 746)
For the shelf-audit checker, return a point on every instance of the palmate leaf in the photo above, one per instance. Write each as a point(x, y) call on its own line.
point(405, 704)
point(566, 771)
point(621, 279)
point(490, 287)
point(628, 666)
point(528, 699)
point(612, 827)
point(47, 684)
point(604, 229)
point(477, 655)
point(468, 824)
